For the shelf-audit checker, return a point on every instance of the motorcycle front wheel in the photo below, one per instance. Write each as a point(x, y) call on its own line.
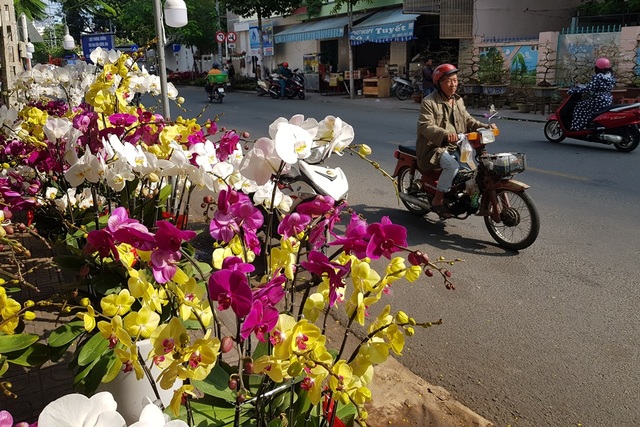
point(301, 94)
point(274, 95)
point(553, 131)
point(519, 223)
point(405, 185)
point(402, 93)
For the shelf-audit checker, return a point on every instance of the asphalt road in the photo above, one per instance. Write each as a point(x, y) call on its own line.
point(548, 336)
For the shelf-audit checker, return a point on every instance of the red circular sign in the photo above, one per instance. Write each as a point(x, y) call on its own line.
point(220, 36)
point(231, 37)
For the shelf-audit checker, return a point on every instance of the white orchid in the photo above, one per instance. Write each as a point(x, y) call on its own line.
point(88, 167)
point(56, 128)
point(261, 162)
point(152, 416)
point(336, 133)
point(206, 154)
point(118, 173)
point(77, 410)
point(292, 143)
point(265, 194)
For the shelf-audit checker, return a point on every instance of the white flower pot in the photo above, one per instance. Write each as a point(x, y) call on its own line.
point(130, 393)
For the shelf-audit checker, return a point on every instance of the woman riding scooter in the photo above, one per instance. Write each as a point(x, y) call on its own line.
point(442, 117)
point(600, 87)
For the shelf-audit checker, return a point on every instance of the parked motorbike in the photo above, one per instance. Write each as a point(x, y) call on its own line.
point(403, 89)
point(489, 191)
point(264, 85)
point(617, 124)
point(294, 86)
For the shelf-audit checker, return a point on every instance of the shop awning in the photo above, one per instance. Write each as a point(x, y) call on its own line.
point(384, 26)
point(331, 28)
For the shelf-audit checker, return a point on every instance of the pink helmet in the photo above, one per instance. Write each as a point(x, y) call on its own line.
point(603, 64)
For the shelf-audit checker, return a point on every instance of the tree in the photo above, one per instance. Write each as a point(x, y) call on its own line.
point(33, 9)
point(608, 7)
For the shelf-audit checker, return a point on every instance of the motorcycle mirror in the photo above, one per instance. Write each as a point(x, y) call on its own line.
point(317, 155)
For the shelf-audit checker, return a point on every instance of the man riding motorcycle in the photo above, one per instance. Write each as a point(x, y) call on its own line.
point(442, 117)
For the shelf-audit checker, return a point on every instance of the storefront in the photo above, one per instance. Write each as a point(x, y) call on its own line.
point(382, 39)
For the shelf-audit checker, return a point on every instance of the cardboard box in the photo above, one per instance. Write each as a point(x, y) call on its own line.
point(356, 74)
point(382, 72)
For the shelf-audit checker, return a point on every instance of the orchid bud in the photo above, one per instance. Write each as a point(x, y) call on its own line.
point(402, 317)
point(153, 177)
point(226, 344)
point(364, 150)
point(29, 315)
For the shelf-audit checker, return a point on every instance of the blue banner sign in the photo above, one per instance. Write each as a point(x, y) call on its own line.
point(92, 41)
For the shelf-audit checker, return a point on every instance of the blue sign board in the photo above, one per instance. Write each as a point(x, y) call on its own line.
point(92, 41)
point(176, 47)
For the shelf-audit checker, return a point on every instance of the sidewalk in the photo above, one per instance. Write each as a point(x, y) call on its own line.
point(395, 103)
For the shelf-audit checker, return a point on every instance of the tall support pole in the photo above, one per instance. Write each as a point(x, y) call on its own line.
point(162, 67)
point(25, 38)
point(9, 57)
point(219, 29)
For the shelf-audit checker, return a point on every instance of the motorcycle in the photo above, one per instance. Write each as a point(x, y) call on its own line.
point(403, 89)
point(617, 124)
point(294, 86)
point(509, 213)
point(264, 85)
point(216, 89)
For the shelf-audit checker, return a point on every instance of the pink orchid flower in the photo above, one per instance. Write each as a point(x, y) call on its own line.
point(386, 238)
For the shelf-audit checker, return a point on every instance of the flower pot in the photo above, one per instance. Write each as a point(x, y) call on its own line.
point(494, 89)
point(471, 89)
point(130, 393)
point(524, 108)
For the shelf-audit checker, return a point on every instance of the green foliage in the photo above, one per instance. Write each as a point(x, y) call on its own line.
point(491, 70)
point(608, 7)
point(33, 9)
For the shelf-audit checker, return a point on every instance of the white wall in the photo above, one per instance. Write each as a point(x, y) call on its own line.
point(521, 18)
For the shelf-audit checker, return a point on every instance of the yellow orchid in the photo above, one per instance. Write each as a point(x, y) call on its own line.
point(285, 256)
point(178, 395)
point(395, 270)
point(117, 304)
point(110, 330)
point(127, 353)
point(141, 323)
point(274, 368)
point(9, 309)
point(127, 254)
point(89, 318)
point(314, 307)
point(365, 279)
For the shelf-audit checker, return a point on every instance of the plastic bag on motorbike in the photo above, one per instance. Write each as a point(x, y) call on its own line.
point(466, 151)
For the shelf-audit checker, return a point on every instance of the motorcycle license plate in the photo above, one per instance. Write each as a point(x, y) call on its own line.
point(220, 90)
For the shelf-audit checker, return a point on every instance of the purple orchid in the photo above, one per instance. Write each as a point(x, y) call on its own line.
point(386, 238)
point(103, 242)
point(293, 224)
point(260, 320)
point(228, 144)
point(130, 231)
point(319, 264)
point(164, 259)
point(355, 237)
point(235, 263)
point(231, 289)
point(316, 207)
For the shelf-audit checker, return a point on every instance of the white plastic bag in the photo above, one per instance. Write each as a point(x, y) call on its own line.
point(465, 151)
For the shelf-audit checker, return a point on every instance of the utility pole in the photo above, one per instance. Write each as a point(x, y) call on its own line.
point(9, 58)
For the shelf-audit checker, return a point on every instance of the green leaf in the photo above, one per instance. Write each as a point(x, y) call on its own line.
point(262, 349)
point(34, 355)
point(66, 333)
point(71, 262)
point(92, 349)
point(217, 384)
point(9, 343)
point(275, 423)
point(211, 412)
point(99, 369)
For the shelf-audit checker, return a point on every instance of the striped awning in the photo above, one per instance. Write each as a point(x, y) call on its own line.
point(331, 28)
point(384, 26)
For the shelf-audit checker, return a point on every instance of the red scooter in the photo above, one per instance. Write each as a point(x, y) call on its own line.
point(616, 124)
point(489, 191)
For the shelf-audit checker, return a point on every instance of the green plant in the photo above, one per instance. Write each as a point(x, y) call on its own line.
point(491, 68)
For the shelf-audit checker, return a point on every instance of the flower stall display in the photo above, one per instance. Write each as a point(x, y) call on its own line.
point(238, 335)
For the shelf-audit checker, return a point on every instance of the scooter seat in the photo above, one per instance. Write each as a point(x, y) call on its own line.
point(407, 149)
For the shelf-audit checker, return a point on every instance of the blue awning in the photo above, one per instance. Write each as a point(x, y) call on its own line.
point(385, 26)
point(331, 28)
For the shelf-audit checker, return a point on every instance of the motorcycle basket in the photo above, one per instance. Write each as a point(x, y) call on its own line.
point(504, 164)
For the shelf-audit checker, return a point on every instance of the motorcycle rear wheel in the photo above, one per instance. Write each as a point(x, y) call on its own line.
point(519, 219)
point(404, 183)
point(553, 131)
point(274, 95)
point(402, 93)
point(301, 94)
point(630, 141)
